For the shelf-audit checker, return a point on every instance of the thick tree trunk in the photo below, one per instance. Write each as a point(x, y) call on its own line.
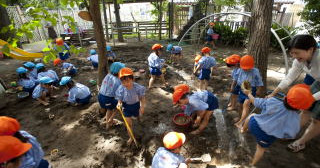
point(118, 20)
point(101, 43)
point(259, 35)
point(105, 19)
point(5, 21)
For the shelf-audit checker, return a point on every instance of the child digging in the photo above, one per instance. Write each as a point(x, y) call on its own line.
point(43, 91)
point(199, 105)
point(42, 72)
point(233, 62)
point(107, 93)
point(93, 58)
point(175, 53)
point(67, 68)
point(78, 93)
point(32, 70)
point(247, 73)
point(24, 81)
point(169, 155)
point(278, 119)
point(205, 64)
point(156, 64)
point(130, 96)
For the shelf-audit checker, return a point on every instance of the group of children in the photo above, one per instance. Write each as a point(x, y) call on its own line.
point(278, 120)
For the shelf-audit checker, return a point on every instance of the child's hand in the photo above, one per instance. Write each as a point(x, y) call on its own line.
point(141, 111)
point(247, 92)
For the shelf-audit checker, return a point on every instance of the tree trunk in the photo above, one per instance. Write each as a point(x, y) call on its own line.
point(160, 19)
point(259, 35)
point(5, 21)
point(105, 19)
point(101, 43)
point(118, 20)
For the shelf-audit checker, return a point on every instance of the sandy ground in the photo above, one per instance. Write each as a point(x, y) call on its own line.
point(76, 137)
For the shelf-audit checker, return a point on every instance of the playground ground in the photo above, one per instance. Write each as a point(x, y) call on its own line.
point(75, 137)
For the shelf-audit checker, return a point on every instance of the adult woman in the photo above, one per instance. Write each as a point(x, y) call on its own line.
point(307, 59)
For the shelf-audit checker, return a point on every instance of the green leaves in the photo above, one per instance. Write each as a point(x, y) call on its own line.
point(311, 13)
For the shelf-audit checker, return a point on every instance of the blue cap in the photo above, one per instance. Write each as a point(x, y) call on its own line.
point(169, 47)
point(45, 80)
point(108, 48)
point(21, 70)
point(39, 65)
point(115, 67)
point(93, 52)
point(29, 64)
point(65, 80)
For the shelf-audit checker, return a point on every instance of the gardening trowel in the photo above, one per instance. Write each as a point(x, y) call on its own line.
point(204, 158)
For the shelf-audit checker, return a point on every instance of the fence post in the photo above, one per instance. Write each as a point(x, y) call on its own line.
point(146, 32)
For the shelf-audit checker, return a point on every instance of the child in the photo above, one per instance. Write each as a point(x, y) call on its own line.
point(33, 157)
point(93, 58)
point(107, 92)
point(210, 32)
point(33, 74)
point(252, 75)
point(169, 155)
point(67, 68)
point(175, 52)
point(62, 48)
point(130, 96)
point(199, 104)
point(196, 61)
point(110, 54)
point(78, 93)
point(155, 64)
point(43, 90)
point(42, 72)
point(233, 62)
point(27, 84)
point(11, 151)
point(278, 119)
point(205, 64)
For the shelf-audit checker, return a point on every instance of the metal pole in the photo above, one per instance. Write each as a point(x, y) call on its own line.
point(114, 43)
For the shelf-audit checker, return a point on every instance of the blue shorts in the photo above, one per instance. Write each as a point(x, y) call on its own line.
point(263, 139)
point(72, 72)
point(236, 90)
point(209, 38)
point(84, 100)
point(94, 64)
point(204, 74)
point(155, 71)
point(308, 79)
point(30, 90)
point(107, 102)
point(131, 110)
point(63, 56)
point(212, 102)
point(242, 97)
point(44, 164)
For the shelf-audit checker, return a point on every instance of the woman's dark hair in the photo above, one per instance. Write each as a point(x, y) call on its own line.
point(43, 69)
point(23, 76)
point(285, 102)
point(126, 77)
point(303, 42)
point(21, 137)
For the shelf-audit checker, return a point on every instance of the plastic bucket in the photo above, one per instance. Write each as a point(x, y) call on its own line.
point(181, 120)
point(215, 36)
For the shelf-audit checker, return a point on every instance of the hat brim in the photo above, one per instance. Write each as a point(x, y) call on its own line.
point(25, 148)
point(183, 137)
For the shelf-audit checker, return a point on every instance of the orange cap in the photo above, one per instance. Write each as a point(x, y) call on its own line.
point(197, 59)
point(59, 42)
point(156, 47)
point(57, 61)
point(173, 140)
point(247, 62)
point(300, 97)
point(8, 126)
point(205, 50)
point(211, 23)
point(233, 59)
point(125, 72)
point(11, 147)
point(179, 91)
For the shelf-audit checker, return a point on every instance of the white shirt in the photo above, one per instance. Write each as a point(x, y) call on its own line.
point(313, 69)
point(79, 91)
